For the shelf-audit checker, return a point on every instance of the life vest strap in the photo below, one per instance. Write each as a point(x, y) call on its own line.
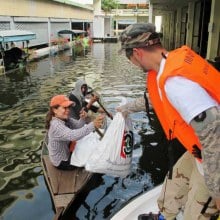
point(197, 153)
point(147, 106)
point(170, 155)
point(206, 205)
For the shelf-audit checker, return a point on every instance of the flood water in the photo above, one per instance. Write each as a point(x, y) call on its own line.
point(24, 102)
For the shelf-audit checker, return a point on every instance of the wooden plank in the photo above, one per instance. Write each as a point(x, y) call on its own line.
point(59, 212)
point(63, 185)
point(61, 181)
point(82, 177)
point(63, 200)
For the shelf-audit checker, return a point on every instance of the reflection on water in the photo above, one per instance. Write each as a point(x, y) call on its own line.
point(23, 104)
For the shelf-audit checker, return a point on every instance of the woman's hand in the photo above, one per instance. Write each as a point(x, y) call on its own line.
point(98, 121)
point(83, 114)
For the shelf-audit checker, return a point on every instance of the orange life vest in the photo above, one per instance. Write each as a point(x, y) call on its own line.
point(186, 63)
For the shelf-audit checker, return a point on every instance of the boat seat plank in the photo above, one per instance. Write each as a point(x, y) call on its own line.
point(63, 200)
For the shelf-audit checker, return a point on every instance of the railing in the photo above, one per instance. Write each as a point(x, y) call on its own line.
point(129, 11)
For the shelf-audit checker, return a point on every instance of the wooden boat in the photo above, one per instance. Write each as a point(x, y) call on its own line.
point(13, 58)
point(63, 185)
point(143, 204)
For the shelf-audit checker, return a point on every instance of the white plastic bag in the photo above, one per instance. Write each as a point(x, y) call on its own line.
point(83, 149)
point(113, 153)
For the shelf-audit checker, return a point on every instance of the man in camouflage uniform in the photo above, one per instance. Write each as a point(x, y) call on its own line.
point(193, 186)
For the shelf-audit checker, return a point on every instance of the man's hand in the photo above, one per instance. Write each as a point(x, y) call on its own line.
point(98, 121)
point(123, 111)
point(217, 201)
point(83, 114)
point(94, 98)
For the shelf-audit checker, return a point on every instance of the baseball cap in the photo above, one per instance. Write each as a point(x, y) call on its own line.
point(139, 35)
point(60, 100)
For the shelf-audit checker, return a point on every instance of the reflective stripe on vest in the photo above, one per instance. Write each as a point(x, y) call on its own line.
point(186, 63)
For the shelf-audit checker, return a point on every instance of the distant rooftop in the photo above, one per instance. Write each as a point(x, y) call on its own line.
point(76, 3)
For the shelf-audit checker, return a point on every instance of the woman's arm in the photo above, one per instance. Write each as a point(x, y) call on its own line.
point(60, 131)
point(77, 123)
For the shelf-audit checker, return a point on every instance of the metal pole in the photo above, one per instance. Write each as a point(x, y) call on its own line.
point(150, 13)
point(202, 28)
point(3, 63)
point(27, 49)
point(49, 32)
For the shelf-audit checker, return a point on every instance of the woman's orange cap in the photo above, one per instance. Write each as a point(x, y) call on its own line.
point(60, 100)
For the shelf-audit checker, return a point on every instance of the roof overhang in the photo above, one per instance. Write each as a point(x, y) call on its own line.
point(166, 6)
point(16, 35)
point(75, 4)
point(71, 32)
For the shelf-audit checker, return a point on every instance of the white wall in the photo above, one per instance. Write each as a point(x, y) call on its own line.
point(108, 27)
point(98, 27)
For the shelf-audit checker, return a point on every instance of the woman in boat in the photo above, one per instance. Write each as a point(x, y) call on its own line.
point(64, 131)
point(78, 95)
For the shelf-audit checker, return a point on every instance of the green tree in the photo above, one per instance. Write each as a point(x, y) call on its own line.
point(108, 5)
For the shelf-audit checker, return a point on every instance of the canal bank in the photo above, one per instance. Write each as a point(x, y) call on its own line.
point(24, 103)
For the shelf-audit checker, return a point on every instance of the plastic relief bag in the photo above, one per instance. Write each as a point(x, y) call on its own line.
point(83, 149)
point(112, 155)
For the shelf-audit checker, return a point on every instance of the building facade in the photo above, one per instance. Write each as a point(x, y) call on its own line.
point(43, 17)
point(195, 23)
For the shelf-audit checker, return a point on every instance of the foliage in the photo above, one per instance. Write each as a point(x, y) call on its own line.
point(108, 5)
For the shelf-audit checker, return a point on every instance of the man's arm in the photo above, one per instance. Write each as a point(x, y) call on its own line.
point(208, 131)
point(137, 105)
point(192, 101)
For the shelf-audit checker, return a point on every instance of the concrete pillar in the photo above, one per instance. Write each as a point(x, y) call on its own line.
point(153, 19)
point(190, 24)
point(12, 23)
point(150, 13)
point(166, 30)
point(112, 26)
point(49, 32)
point(116, 28)
point(97, 7)
point(171, 30)
point(213, 48)
point(70, 27)
point(178, 27)
point(162, 29)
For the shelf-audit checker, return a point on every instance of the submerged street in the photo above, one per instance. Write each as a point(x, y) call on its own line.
point(24, 102)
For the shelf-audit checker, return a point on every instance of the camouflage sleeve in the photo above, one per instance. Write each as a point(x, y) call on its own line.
point(208, 132)
point(137, 105)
